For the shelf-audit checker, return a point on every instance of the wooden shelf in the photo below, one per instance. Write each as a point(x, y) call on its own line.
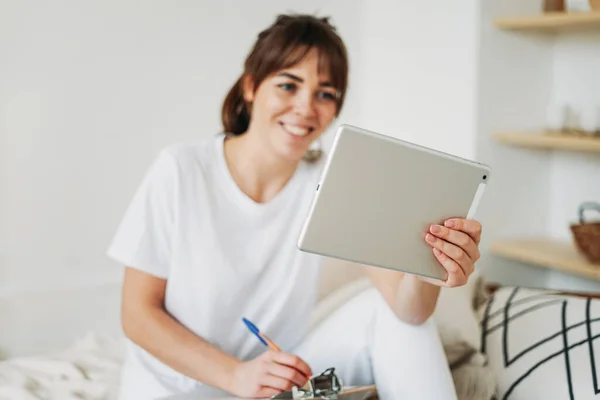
point(556, 21)
point(550, 140)
point(547, 253)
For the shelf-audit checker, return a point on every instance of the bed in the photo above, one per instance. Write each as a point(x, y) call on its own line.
point(70, 346)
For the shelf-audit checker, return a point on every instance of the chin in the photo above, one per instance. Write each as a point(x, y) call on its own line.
point(289, 150)
point(291, 155)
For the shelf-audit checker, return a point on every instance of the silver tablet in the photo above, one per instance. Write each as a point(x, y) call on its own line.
point(378, 195)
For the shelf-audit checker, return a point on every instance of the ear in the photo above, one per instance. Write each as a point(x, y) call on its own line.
point(248, 88)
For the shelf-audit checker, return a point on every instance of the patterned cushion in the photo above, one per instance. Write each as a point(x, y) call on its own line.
point(542, 344)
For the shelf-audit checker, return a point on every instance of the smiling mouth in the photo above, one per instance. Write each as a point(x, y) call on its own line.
point(297, 130)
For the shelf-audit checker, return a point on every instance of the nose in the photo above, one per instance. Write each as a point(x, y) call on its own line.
point(304, 104)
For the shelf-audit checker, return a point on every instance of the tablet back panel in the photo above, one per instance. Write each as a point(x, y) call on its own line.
point(378, 195)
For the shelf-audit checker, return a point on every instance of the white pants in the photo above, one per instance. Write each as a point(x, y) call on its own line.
point(367, 344)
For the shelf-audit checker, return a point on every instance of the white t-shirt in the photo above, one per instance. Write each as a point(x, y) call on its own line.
point(224, 255)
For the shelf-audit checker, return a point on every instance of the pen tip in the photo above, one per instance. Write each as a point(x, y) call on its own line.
point(249, 324)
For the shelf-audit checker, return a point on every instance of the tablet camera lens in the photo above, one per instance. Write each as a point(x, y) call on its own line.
point(485, 176)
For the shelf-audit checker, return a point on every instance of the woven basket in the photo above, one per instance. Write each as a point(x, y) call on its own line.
point(587, 234)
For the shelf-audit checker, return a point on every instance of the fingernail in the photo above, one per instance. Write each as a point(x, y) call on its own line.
point(430, 238)
point(436, 229)
point(436, 252)
point(449, 223)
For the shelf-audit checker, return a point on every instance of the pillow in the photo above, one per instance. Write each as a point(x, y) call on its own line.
point(542, 344)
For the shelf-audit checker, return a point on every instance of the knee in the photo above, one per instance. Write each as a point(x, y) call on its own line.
point(387, 320)
point(383, 321)
point(385, 311)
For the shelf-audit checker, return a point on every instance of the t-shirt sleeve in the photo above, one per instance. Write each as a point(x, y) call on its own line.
point(144, 237)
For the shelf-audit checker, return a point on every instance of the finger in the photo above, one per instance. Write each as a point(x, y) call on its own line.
point(288, 373)
point(294, 361)
point(268, 392)
point(458, 238)
point(456, 276)
point(452, 251)
point(277, 382)
point(470, 226)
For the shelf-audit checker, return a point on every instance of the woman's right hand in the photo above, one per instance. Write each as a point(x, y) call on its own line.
point(269, 374)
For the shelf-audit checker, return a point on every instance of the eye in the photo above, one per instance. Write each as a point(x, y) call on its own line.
point(327, 95)
point(288, 87)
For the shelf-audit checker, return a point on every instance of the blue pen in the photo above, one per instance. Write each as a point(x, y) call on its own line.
point(263, 338)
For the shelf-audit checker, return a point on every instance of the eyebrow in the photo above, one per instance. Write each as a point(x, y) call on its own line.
point(298, 79)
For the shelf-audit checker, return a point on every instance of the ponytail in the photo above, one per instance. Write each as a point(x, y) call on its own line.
point(235, 115)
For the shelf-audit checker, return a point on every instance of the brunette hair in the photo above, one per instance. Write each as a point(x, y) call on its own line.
point(280, 46)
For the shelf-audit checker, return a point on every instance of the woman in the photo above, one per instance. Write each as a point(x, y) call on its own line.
point(210, 238)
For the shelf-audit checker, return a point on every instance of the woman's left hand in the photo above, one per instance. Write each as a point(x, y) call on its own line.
point(456, 246)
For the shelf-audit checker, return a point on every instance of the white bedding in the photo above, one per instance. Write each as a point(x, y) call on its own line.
point(88, 370)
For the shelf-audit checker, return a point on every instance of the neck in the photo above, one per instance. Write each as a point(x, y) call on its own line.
point(259, 173)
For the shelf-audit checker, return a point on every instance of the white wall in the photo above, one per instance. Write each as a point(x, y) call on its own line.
point(48, 320)
point(89, 92)
point(421, 72)
point(575, 176)
point(515, 75)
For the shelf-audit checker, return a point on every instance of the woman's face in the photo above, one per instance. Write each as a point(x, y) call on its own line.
point(292, 107)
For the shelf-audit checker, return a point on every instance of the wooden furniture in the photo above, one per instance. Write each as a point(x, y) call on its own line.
point(552, 22)
point(550, 140)
point(546, 252)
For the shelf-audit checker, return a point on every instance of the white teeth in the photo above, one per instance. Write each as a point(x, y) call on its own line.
point(295, 130)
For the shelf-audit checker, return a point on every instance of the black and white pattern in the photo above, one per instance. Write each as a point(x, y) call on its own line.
point(542, 345)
